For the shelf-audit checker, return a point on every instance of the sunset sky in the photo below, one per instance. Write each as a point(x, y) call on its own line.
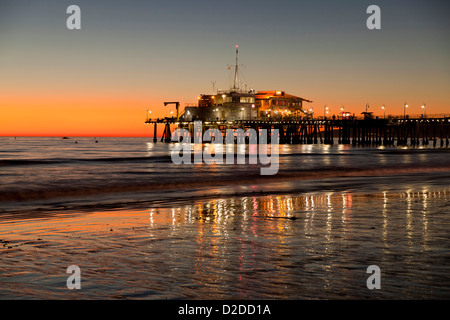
point(130, 56)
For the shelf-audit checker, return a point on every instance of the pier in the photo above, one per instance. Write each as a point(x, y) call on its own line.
point(242, 109)
point(393, 131)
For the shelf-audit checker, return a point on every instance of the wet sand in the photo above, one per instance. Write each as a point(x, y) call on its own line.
point(287, 246)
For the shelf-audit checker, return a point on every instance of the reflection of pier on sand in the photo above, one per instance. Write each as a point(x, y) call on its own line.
point(281, 247)
point(319, 245)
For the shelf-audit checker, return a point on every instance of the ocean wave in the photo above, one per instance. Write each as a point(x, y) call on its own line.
point(52, 161)
point(183, 182)
point(167, 158)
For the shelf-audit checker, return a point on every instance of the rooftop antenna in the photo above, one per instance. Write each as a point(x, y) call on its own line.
point(236, 70)
point(214, 86)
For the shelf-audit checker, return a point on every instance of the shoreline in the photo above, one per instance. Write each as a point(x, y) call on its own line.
point(347, 180)
point(70, 205)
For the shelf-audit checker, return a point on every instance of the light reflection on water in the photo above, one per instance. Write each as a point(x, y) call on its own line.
point(257, 247)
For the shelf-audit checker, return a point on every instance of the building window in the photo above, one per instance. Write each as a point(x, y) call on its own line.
point(247, 100)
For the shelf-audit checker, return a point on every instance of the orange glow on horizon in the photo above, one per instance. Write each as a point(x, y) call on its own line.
point(87, 116)
point(124, 115)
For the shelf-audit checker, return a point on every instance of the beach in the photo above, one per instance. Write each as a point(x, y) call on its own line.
point(139, 227)
point(309, 246)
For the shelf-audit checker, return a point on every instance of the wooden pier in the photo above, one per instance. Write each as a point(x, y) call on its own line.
point(358, 132)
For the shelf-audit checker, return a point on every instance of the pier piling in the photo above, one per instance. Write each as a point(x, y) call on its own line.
point(358, 132)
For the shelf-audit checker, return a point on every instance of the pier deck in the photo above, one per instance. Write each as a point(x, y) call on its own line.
point(362, 132)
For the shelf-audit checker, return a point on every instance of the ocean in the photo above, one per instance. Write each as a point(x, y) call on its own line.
point(141, 227)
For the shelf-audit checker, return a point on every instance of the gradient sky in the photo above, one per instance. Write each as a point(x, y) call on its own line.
point(131, 56)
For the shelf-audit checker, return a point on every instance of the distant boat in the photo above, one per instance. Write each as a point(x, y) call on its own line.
point(64, 138)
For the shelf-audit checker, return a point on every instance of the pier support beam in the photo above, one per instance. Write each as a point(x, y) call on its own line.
point(155, 132)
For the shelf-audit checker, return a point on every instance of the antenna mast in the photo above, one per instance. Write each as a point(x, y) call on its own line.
point(236, 71)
